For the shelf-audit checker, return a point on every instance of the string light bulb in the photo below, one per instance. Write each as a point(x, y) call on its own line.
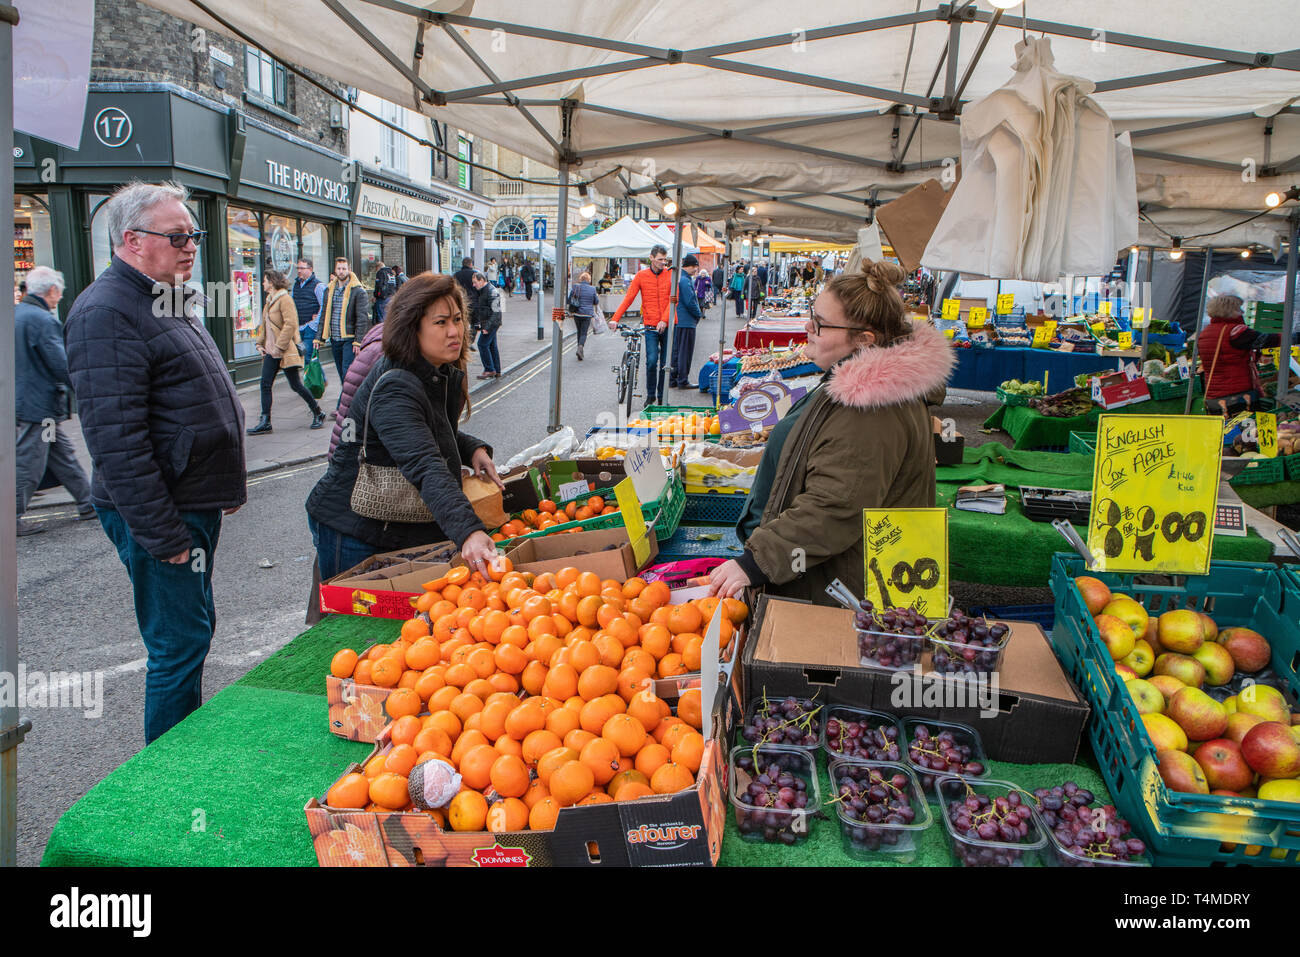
point(1176, 253)
point(1245, 253)
point(751, 210)
point(588, 208)
point(1276, 199)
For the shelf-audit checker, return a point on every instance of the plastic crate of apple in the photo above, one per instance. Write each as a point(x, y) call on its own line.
point(689, 426)
point(1181, 670)
point(515, 696)
point(548, 514)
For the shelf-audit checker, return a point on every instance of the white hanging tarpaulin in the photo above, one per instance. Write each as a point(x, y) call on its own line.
point(1047, 189)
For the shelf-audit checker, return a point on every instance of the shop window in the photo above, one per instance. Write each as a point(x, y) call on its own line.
point(280, 239)
point(510, 227)
point(265, 77)
point(466, 174)
point(243, 236)
point(459, 241)
point(316, 247)
point(33, 241)
point(372, 251)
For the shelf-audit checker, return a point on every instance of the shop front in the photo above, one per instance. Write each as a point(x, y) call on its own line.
point(264, 198)
point(464, 215)
point(395, 224)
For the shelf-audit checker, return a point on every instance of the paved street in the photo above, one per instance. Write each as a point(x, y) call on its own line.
point(75, 609)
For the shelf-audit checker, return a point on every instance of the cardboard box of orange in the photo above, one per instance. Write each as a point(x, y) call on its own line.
point(386, 585)
point(1037, 714)
point(670, 830)
point(607, 552)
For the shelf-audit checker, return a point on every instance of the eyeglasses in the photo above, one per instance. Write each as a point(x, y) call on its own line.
point(818, 326)
point(178, 240)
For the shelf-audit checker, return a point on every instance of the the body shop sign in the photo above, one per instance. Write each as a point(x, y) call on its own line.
point(394, 208)
point(272, 163)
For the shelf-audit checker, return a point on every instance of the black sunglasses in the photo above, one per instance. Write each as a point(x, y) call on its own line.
point(178, 240)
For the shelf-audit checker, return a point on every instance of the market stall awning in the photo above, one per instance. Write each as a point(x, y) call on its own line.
point(626, 237)
point(814, 124)
point(807, 246)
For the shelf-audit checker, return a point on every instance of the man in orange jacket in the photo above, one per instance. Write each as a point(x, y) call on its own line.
point(655, 287)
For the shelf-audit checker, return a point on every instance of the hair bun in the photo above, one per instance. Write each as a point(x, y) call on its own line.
point(881, 275)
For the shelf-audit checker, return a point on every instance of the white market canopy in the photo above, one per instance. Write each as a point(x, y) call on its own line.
point(815, 127)
point(624, 239)
point(668, 237)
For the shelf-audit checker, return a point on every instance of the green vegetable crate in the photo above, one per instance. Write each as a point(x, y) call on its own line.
point(1012, 398)
point(1083, 443)
point(1261, 472)
point(665, 514)
point(1181, 829)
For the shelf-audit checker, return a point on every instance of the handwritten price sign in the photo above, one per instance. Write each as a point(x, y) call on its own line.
point(977, 316)
point(1006, 302)
point(951, 309)
point(906, 555)
point(1155, 487)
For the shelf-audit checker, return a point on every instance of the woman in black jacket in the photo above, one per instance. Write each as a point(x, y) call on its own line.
point(412, 425)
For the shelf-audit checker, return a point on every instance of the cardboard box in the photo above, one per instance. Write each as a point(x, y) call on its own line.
point(1116, 390)
point(947, 451)
point(586, 551)
point(485, 498)
point(671, 830)
point(386, 585)
point(803, 649)
point(525, 488)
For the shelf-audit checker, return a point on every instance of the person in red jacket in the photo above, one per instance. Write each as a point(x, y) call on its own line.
point(1227, 347)
point(654, 284)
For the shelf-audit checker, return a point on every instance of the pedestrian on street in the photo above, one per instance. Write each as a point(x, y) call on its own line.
point(486, 320)
point(508, 277)
point(654, 284)
point(528, 276)
point(582, 304)
point(399, 277)
point(41, 390)
point(753, 292)
point(308, 298)
point(493, 272)
point(165, 431)
point(736, 290)
point(719, 279)
point(762, 279)
point(345, 317)
point(385, 286)
point(278, 344)
point(408, 408)
point(688, 315)
point(703, 290)
point(464, 277)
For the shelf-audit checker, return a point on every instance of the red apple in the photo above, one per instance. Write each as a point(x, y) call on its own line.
point(1224, 792)
point(1152, 637)
point(1271, 751)
point(1167, 685)
point(1115, 635)
point(1124, 671)
point(1096, 595)
point(1198, 714)
point(1239, 723)
point(1180, 772)
point(1211, 629)
point(1183, 667)
point(1130, 612)
point(1249, 649)
point(1218, 664)
point(1265, 701)
point(1223, 764)
point(1182, 631)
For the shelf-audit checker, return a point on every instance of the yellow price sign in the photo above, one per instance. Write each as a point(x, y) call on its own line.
point(951, 309)
point(977, 317)
point(1103, 308)
point(1139, 317)
point(1006, 302)
point(1266, 427)
point(950, 333)
point(630, 507)
point(1050, 325)
point(1126, 340)
point(1155, 489)
point(905, 553)
point(1042, 337)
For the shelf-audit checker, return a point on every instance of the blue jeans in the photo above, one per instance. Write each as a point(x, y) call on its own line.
point(342, 349)
point(335, 551)
point(683, 350)
point(655, 349)
point(487, 350)
point(176, 615)
point(308, 348)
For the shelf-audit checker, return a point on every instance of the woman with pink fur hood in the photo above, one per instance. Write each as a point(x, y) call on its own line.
point(862, 439)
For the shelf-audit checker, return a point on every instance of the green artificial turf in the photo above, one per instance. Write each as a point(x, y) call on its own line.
point(303, 663)
point(1031, 429)
point(225, 787)
point(825, 846)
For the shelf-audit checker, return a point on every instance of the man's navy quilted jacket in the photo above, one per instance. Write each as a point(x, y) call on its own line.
point(158, 409)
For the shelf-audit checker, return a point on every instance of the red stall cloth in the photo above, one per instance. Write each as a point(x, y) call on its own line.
point(765, 332)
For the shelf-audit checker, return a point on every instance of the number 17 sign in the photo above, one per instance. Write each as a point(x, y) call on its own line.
point(905, 551)
point(1155, 487)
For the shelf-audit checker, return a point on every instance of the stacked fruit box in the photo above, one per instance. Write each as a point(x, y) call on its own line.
point(1159, 786)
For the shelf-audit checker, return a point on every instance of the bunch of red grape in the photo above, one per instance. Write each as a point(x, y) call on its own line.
point(851, 736)
point(877, 804)
point(942, 753)
point(967, 646)
point(893, 639)
point(986, 825)
point(774, 803)
point(1084, 830)
point(792, 721)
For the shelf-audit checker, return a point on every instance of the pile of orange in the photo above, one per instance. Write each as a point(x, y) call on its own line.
point(548, 514)
point(589, 727)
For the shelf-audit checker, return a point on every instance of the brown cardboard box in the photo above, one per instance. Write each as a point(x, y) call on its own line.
point(550, 553)
point(803, 649)
point(485, 498)
point(386, 585)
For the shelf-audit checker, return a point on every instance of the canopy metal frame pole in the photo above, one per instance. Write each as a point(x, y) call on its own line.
point(722, 324)
point(561, 295)
point(669, 346)
point(1288, 311)
point(1146, 298)
point(541, 289)
point(11, 731)
point(1196, 336)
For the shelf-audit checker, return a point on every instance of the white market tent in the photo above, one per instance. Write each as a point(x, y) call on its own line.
point(624, 239)
point(668, 237)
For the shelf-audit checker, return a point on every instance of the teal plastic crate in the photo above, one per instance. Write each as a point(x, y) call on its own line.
point(1083, 443)
point(1261, 472)
point(1181, 829)
point(664, 514)
point(715, 508)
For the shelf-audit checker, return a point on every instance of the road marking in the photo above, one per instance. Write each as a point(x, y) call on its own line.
point(496, 396)
point(286, 473)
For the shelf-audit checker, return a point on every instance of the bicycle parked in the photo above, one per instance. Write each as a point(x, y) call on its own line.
point(626, 371)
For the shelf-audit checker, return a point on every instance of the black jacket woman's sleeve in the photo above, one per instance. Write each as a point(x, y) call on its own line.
point(400, 416)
